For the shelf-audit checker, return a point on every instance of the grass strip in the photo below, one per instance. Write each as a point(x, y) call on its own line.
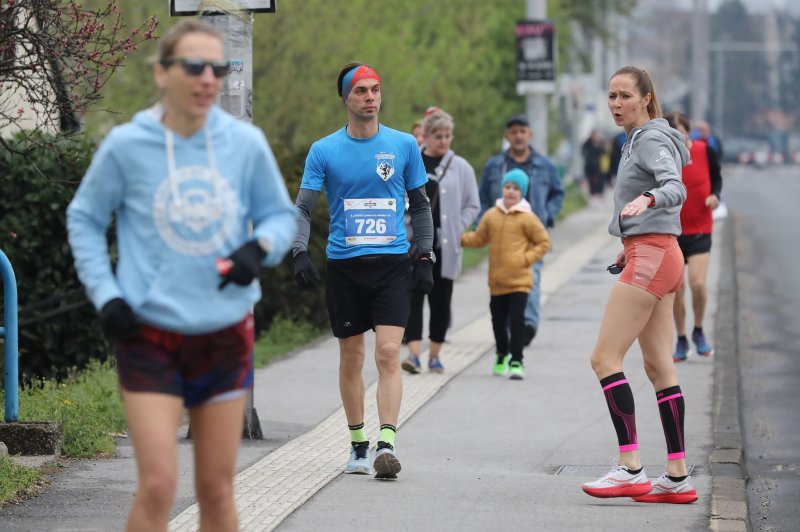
point(15, 478)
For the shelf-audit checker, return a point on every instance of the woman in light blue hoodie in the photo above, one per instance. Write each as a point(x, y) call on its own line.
point(200, 206)
point(647, 204)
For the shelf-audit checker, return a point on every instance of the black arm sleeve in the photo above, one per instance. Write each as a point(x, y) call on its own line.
point(714, 170)
point(305, 203)
point(421, 218)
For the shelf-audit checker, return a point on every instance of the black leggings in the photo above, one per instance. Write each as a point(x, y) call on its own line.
point(508, 315)
point(439, 302)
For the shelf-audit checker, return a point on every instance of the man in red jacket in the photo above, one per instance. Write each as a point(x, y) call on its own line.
point(703, 182)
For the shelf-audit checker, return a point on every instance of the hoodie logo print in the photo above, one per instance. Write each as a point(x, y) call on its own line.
point(197, 213)
point(663, 155)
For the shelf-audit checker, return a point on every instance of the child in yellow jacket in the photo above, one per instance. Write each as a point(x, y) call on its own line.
point(516, 239)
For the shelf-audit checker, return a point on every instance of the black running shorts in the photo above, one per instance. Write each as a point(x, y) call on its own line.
point(694, 245)
point(363, 292)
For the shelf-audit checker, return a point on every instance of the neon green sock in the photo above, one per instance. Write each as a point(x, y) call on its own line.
point(388, 433)
point(357, 432)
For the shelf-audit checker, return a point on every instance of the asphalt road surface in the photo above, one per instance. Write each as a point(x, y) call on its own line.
point(765, 211)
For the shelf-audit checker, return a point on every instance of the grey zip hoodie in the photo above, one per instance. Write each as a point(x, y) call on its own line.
point(652, 159)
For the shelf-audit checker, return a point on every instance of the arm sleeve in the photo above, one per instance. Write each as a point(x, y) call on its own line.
point(555, 196)
point(271, 208)
point(661, 158)
point(88, 216)
point(305, 203)
point(714, 170)
point(539, 239)
point(477, 238)
point(421, 218)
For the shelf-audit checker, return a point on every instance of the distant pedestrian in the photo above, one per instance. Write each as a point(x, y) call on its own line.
point(517, 239)
point(647, 204)
point(594, 149)
point(366, 169)
point(453, 193)
point(702, 131)
point(616, 155)
point(702, 178)
point(416, 132)
point(545, 196)
point(191, 187)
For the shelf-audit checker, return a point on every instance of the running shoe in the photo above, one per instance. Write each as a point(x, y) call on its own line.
point(411, 364)
point(500, 368)
point(619, 482)
point(703, 348)
point(435, 365)
point(515, 370)
point(681, 350)
point(359, 459)
point(666, 491)
point(387, 466)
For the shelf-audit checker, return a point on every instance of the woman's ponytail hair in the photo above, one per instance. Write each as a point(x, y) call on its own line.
point(645, 84)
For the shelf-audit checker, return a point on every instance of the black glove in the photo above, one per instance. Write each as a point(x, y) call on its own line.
point(305, 274)
point(422, 277)
point(243, 265)
point(118, 320)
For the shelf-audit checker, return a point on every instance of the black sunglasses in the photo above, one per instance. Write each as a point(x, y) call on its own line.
point(195, 67)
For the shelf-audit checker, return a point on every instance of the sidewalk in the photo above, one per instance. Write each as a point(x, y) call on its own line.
point(478, 452)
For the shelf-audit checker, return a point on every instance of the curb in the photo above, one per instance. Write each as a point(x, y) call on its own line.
point(729, 510)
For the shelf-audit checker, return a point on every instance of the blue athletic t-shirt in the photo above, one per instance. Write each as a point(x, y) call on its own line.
point(365, 181)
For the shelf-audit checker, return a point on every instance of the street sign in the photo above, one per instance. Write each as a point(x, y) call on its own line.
point(189, 8)
point(536, 59)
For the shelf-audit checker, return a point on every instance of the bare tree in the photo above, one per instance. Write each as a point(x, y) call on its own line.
point(55, 57)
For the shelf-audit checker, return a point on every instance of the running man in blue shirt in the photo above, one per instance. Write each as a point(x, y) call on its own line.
point(366, 170)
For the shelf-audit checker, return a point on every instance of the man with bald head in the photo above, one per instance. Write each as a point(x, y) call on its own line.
point(366, 170)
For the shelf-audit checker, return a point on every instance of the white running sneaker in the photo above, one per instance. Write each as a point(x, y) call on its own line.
point(666, 491)
point(619, 482)
point(359, 459)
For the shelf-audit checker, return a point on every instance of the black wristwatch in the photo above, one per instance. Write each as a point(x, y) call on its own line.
point(429, 256)
point(652, 198)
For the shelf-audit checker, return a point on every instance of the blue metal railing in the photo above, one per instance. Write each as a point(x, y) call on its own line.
point(9, 332)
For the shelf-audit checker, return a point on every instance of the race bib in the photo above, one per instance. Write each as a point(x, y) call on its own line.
point(369, 221)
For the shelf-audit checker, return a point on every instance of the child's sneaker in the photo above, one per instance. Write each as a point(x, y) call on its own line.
point(699, 340)
point(619, 482)
point(500, 368)
point(681, 350)
point(515, 370)
point(411, 364)
point(670, 492)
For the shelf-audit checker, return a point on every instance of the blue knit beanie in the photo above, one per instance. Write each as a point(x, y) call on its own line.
point(518, 177)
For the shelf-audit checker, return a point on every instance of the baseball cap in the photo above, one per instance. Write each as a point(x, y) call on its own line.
point(520, 120)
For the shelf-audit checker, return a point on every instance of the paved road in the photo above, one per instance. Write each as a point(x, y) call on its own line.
point(766, 221)
point(478, 452)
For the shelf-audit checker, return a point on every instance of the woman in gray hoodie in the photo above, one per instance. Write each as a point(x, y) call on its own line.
point(647, 204)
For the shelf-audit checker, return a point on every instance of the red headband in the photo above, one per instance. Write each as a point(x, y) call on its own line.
point(357, 74)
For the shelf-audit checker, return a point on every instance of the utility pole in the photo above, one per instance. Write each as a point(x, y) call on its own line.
point(700, 60)
point(234, 20)
point(536, 103)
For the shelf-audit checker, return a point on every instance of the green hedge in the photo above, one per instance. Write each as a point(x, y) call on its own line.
point(58, 326)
